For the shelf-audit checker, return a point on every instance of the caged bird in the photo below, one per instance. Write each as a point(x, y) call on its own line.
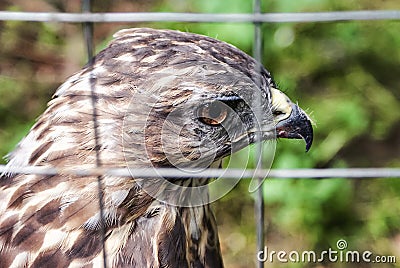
point(150, 99)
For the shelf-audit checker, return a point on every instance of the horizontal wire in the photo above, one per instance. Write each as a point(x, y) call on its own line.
point(201, 17)
point(209, 173)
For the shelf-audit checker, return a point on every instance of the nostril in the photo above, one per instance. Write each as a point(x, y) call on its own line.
point(282, 134)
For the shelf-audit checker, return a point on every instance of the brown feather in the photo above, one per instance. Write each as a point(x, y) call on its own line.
point(147, 85)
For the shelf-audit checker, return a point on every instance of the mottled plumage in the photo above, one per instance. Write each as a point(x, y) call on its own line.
point(164, 99)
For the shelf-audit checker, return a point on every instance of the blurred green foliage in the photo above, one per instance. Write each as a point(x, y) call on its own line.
point(345, 74)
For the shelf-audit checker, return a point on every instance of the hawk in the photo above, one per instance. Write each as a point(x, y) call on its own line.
point(152, 98)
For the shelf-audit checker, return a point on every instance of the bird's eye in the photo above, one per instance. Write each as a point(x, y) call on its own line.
point(213, 113)
point(276, 112)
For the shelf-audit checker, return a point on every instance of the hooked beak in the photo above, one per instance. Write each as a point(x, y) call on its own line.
point(296, 126)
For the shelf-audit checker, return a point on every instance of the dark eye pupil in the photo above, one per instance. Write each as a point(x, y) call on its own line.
point(212, 114)
point(215, 110)
point(277, 113)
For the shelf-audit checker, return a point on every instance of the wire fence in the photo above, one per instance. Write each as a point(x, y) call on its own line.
point(257, 18)
point(232, 173)
point(200, 17)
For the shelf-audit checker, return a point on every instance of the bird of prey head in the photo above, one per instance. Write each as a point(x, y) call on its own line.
point(152, 98)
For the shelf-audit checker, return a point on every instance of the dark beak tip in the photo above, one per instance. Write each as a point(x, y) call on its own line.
point(308, 144)
point(306, 130)
point(308, 137)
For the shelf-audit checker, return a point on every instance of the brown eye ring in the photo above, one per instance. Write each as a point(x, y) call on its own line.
point(213, 113)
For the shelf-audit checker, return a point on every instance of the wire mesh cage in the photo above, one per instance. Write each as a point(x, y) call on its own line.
point(325, 162)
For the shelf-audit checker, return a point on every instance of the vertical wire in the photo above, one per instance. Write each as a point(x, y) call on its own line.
point(88, 35)
point(259, 202)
